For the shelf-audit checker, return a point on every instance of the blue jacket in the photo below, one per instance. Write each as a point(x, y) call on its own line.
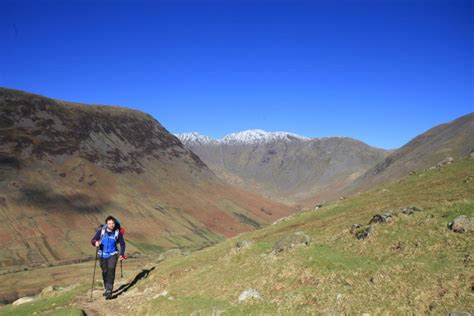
point(108, 245)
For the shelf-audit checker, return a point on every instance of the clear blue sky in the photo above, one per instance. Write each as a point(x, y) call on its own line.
point(378, 71)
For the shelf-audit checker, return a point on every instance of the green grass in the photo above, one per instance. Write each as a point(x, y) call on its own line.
point(46, 304)
point(412, 265)
point(319, 257)
point(67, 312)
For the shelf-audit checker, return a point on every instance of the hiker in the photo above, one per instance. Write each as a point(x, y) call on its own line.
point(106, 240)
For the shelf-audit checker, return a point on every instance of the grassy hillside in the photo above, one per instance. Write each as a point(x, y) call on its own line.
point(453, 139)
point(65, 166)
point(412, 265)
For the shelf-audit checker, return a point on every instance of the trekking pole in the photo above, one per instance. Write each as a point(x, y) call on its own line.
point(93, 276)
point(121, 271)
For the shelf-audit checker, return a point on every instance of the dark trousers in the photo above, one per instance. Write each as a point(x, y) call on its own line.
point(108, 271)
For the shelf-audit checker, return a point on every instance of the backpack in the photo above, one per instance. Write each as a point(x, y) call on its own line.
point(118, 229)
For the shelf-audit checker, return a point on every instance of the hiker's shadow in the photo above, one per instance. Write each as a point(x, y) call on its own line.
point(124, 288)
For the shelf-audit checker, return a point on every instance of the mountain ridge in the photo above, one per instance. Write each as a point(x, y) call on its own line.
point(251, 136)
point(454, 139)
point(282, 166)
point(65, 166)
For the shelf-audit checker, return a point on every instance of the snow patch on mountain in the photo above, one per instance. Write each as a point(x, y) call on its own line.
point(252, 136)
point(195, 138)
point(259, 136)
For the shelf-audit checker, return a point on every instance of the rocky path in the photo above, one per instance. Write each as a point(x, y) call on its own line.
point(126, 299)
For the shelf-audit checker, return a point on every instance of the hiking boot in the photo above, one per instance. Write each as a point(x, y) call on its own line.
point(105, 293)
point(108, 295)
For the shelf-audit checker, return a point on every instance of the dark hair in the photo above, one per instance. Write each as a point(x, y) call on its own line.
point(110, 218)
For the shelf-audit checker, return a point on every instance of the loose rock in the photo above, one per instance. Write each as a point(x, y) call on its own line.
point(293, 240)
point(47, 290)
point(461, 224)
point(319, 205)
point(242, 245)
point(446, 161)
point(381, 218)
point(354, 228)
point(410, 210)
point(249, 294)
point(365, 232)
point(23, 300)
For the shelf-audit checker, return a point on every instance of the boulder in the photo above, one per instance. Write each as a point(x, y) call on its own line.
point(354, 228)
point(381, 218)
point(293, 240)
point(243, 244)
point(459, 314)
point(461, 224)
point(250, 294)
point(319, 205)
point(410, 210)
point(23, 300)
point(365, 232)
point(48, 290)
point(446, 161)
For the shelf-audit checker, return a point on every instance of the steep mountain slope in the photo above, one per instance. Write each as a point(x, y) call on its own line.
point(65, 166)
point(285, 166)
point(454, 139)
point(412, 264)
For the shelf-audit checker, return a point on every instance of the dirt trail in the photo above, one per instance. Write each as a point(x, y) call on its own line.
point(126, 299)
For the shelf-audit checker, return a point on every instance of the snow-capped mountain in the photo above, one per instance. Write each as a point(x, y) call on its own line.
point(259, 136)
point(284, 166)
point(194, 138)
point(245, 137)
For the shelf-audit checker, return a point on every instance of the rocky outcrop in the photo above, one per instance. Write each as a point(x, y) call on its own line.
point(23, 300)
point(381, 218)
point(241, 245)
point(362, 232)
point(461, 224)
point(294, 240)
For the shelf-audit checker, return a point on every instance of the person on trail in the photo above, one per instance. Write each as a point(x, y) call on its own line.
point(105, 240)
